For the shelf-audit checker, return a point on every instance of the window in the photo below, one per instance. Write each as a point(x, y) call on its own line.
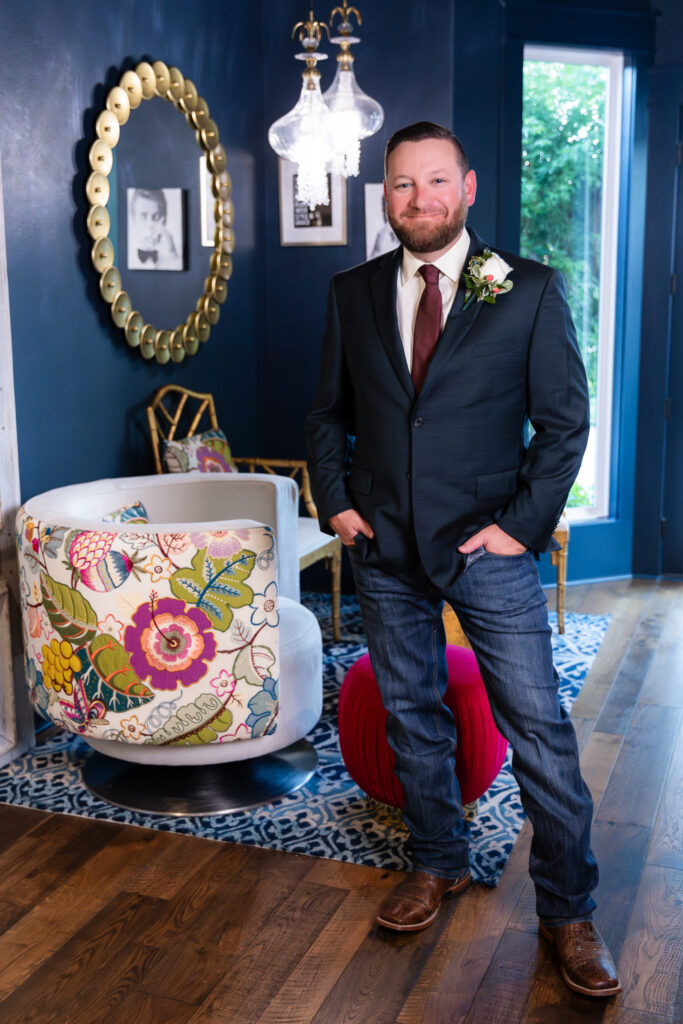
point(571, 130)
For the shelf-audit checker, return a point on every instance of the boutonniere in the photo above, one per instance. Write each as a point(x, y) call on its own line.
point(485, 278)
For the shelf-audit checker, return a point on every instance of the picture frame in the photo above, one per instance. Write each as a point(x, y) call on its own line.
point(206, 204)
point(379, 235)
point(325, 225)
point(155, 228)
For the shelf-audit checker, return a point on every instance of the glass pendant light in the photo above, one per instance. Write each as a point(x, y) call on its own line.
point(303, 135)
point(354, 114)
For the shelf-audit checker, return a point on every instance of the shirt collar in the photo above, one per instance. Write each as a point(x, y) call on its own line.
point(451, 263)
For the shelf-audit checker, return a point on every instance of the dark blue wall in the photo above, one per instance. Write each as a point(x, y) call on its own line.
point(80, 392)
point(659, 473)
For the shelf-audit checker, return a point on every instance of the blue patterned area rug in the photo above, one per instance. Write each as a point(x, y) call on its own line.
point(330, 816)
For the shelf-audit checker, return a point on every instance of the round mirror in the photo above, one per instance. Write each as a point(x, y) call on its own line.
point(153, 212)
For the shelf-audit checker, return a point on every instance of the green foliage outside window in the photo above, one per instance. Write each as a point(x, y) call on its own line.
point(563, 129)
point(579, 496)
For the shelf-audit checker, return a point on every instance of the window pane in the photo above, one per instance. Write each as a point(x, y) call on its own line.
point(564, 177)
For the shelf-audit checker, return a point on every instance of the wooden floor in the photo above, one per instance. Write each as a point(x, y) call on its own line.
point(102, 922)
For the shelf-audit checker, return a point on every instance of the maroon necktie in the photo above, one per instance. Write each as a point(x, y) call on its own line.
point(427, 325)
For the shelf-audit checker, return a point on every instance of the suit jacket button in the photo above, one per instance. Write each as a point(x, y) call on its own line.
point(408, 477)
point(418, 421)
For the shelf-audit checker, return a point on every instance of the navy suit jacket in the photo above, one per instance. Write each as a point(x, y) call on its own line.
point(428, 471)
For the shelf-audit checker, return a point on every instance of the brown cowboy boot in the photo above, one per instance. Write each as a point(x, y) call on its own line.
point(585, 962)
point(415, 903)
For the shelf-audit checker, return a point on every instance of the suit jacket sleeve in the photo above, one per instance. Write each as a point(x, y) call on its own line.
point(330, 422)
point(558, 409)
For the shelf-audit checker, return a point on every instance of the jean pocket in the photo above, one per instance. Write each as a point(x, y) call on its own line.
point(498, 554)
point(474, 556)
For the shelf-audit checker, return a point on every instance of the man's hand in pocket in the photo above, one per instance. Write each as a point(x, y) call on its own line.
point(347, 524)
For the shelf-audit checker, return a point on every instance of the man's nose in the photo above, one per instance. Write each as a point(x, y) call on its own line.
point(421, 196)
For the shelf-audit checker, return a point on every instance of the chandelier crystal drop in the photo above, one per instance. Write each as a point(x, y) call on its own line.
point(355, 115)
point(303, 135)
point(322, 133)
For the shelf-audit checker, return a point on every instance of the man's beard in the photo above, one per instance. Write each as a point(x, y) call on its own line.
point(417, 237)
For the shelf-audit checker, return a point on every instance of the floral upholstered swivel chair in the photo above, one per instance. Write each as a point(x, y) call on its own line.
point(154, 628)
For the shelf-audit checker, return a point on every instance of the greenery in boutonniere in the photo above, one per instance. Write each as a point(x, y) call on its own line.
point(485, 278)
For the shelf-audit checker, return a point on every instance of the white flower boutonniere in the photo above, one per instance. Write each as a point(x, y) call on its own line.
point(485, 278)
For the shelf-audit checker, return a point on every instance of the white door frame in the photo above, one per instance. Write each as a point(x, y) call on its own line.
point(16, 717)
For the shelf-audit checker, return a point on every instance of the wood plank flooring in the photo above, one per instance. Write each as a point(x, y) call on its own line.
point(103, 923)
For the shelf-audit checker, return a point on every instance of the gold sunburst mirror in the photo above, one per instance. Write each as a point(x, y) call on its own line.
point(150, 81)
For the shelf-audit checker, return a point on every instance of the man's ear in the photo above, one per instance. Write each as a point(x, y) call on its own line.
point(470, 187)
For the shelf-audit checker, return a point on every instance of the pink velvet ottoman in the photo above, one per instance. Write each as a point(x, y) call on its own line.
point(362, 730)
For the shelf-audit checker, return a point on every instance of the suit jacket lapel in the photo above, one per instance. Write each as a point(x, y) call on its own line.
point(383, 292)
point(459, 321)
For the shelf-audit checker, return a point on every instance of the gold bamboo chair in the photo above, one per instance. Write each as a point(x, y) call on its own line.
point(177, 412)
point(558, 558)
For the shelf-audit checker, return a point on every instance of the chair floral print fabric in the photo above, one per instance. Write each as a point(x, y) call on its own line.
point(144, 637)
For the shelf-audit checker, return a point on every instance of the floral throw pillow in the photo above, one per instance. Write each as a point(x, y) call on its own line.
point(208, 452)
point(135, 513)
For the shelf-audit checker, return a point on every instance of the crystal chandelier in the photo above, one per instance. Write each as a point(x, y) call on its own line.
point(355, 115)
point(322, 133)
point(303, 136)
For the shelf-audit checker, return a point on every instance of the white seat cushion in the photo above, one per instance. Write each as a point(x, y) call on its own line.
point(310, 536)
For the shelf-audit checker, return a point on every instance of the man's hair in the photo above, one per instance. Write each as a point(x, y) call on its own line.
point(155, 194)
point(425, 130)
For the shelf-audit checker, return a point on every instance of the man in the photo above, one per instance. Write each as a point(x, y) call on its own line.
point(418, 462)
point(150, 242)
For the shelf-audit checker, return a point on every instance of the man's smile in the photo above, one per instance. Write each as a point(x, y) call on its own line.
point(424, 216)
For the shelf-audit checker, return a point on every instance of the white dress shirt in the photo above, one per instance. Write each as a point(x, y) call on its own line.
point(411, 284)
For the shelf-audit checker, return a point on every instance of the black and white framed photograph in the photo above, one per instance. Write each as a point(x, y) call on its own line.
point(379, 235)
point(299, 225)
point(155, 228)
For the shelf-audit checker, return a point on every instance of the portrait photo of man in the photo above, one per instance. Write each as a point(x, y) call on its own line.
point(380, 237)
point(155, 229)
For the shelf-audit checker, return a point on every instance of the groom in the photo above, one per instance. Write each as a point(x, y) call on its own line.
point(420, 461)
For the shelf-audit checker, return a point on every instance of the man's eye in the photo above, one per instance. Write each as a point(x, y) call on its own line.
point(439, 181)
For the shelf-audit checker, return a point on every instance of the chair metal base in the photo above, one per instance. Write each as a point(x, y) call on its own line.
point(191, 790)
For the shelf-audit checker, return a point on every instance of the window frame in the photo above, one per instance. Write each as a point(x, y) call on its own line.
point(605, 421)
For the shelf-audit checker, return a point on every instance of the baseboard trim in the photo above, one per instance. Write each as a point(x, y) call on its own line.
point(595, 579)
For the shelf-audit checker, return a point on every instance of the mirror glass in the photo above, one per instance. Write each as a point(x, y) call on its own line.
point(163, 264)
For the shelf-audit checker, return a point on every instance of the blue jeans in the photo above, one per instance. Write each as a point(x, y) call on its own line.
point(502, 610)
